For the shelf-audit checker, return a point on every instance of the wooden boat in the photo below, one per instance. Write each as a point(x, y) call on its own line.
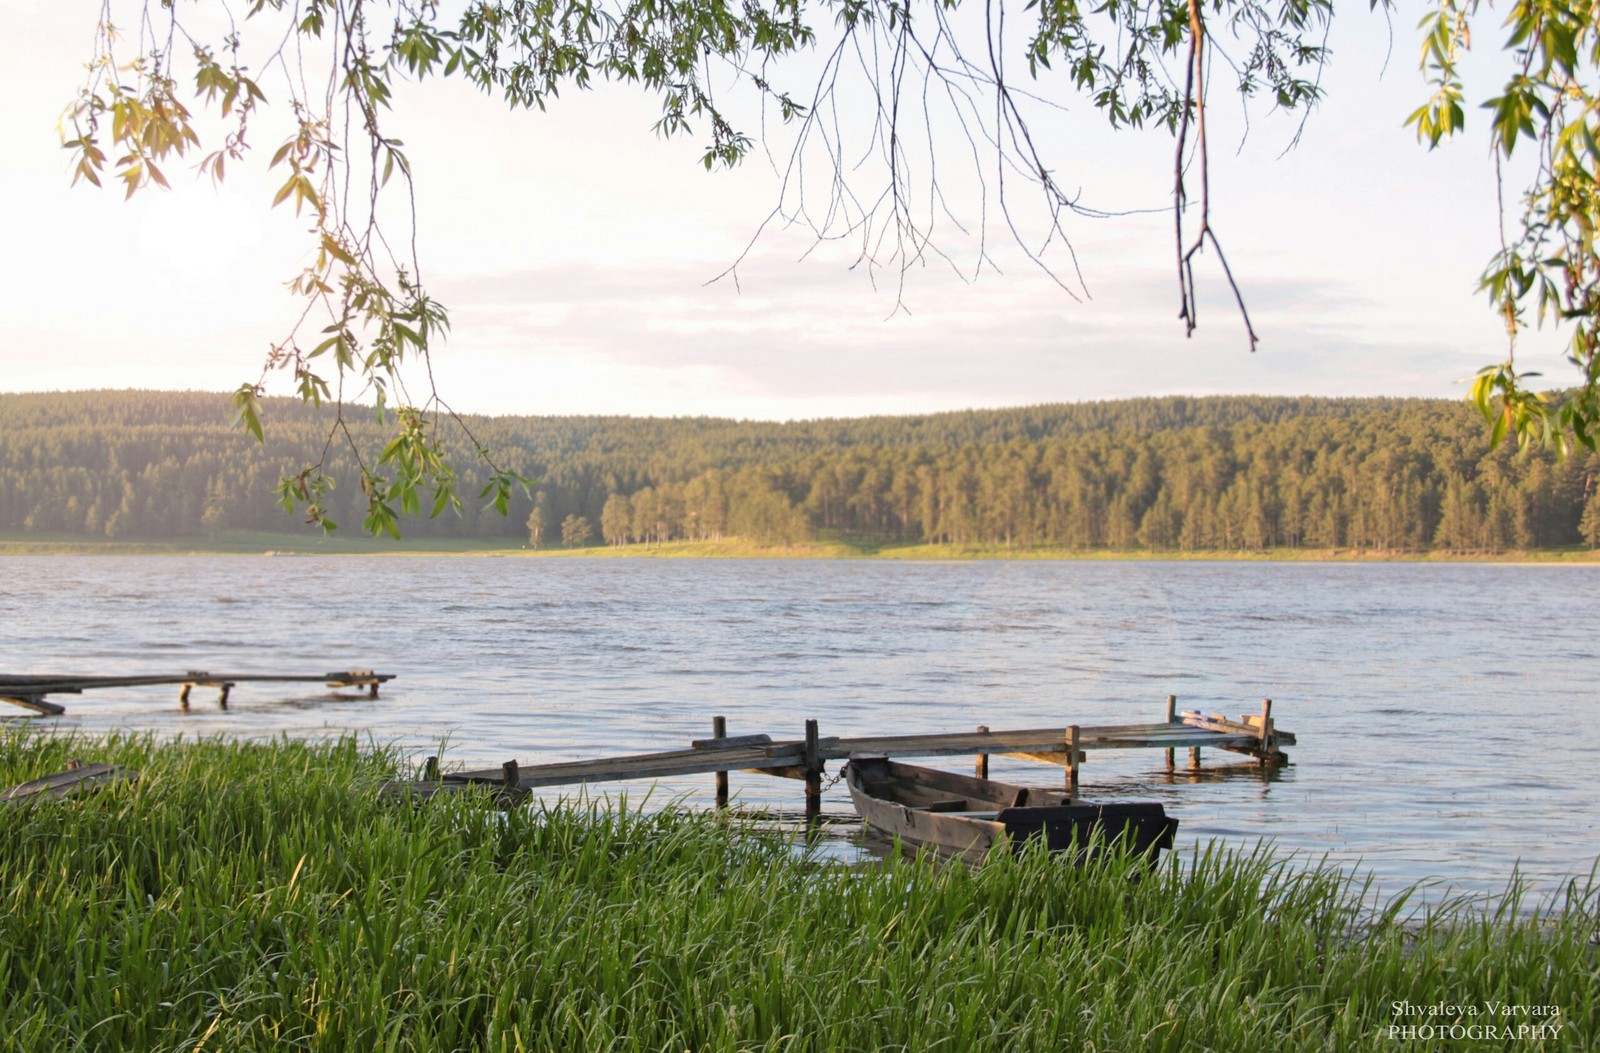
point(78, 780)
point(960, 815)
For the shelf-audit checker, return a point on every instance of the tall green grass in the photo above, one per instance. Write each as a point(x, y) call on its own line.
point(260, 897)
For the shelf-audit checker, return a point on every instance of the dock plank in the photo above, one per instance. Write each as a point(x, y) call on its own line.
point(1224, 726)
point(638, 766)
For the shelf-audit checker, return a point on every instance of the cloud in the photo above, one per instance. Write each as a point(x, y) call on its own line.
point(809, 339)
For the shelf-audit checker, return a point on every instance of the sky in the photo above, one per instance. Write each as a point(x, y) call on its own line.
point(578, 254)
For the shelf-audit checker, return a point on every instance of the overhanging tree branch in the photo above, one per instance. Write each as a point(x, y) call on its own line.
point(858, 167)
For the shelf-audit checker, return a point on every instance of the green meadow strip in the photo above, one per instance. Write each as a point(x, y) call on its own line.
point(260, 897)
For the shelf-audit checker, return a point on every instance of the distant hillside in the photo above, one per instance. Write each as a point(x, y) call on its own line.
point(1221, 473)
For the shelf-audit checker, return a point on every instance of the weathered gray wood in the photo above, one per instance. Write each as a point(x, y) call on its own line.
point(981, 765)
point(811, 760)
point(719, 732)
point(641, 766)
point(83, 779)
point(970, 839)
point(785, 771)
point(29, 690)
point(1044, 742)
point(1172, 718)
point(36, 703)
point(966, 817)
point(224, 687)
point(53, 684)
point(1224, 726)
point(360, 678)
point(728, 742)
point(1056, 757)
point(790, 758)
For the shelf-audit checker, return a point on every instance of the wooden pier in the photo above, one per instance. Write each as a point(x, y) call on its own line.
point(30, 692)
point(804, 758)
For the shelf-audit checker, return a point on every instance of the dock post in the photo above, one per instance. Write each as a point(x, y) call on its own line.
point(719, 730)
point(1266, 731)
point(1072, 759)
point(981, 767)
point(1172, 715)
point(183, 696)
point(222, 695)
point(510, 774)
point(813, 766)
point(1194, 757)
point(430, 770)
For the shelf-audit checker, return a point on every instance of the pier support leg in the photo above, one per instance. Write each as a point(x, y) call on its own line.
point(372, 689)
point(1266, 732)
point(510, 775)
point(222, 695)
point(813, 766)
point(1194, 757)
point(430, 770)
point(981, 767)
point(1073, 759)
point(1172, 718)
point(36, 704)
point(719, 730)
point(183, 696)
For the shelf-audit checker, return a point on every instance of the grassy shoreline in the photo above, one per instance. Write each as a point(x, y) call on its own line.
point(259, 896)
point(271, 544)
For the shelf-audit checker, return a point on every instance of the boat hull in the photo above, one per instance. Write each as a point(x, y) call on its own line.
point(967, 817)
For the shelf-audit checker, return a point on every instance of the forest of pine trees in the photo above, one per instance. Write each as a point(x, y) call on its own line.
point(1188, 474)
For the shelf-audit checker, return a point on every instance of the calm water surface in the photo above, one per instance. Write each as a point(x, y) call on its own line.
point(1443, 711)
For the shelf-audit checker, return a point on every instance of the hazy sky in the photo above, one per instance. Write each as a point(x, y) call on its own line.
point(573, 248)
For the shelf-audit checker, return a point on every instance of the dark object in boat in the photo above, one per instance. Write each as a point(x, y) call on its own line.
point(964, 816)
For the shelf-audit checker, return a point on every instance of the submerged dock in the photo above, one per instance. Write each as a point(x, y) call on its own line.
point(31, 692)
point(1255, 735)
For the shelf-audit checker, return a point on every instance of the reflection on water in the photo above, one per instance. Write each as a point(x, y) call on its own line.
point(1442, 727)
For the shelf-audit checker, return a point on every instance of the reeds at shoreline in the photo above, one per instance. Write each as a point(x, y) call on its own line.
point(245, 896)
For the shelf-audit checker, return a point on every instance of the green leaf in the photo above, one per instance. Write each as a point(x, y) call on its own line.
point(334, 249)
point(247, 410)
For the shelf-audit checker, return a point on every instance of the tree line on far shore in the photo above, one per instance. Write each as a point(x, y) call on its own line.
point(1233, 473)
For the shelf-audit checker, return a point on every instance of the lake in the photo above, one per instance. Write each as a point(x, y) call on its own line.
point(1443, 710)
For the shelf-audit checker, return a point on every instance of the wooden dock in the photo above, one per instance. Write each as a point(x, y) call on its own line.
point(31, 692)
point(804, 758)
